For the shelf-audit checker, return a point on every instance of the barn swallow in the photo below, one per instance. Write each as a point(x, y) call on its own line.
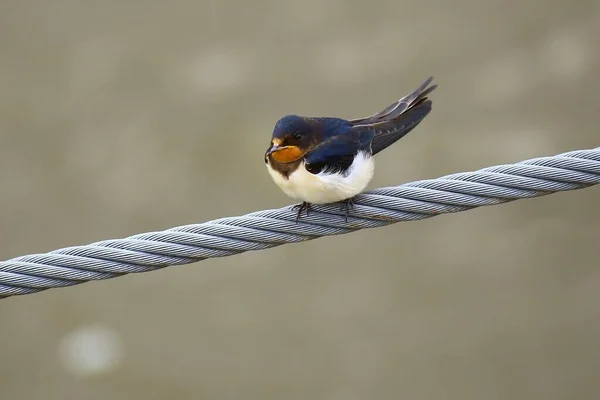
point(321, 160)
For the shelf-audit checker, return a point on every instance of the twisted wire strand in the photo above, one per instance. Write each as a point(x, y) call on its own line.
point(269, 228)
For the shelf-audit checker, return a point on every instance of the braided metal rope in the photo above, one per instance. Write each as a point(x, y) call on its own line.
point(270, 228)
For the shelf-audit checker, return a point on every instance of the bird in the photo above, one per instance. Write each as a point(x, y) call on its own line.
point(321, 160)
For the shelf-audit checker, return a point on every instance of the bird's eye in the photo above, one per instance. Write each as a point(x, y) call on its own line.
point(297, 135)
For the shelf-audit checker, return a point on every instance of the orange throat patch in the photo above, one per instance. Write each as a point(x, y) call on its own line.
point(287, 154)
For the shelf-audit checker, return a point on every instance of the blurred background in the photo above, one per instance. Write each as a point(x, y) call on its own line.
point(121, 117)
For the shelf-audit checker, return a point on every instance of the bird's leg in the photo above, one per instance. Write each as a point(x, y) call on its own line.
point(300, 208)
point(347, 205)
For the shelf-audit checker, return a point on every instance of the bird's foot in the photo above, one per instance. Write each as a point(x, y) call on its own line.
point(347, 205)
point(300, 208)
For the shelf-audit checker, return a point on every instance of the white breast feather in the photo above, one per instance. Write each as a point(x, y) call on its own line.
point(327, 187)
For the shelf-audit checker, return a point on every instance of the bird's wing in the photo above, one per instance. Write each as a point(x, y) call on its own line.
point(337, 152)
point(400, 106)
point(394, 122)
point(387, 132)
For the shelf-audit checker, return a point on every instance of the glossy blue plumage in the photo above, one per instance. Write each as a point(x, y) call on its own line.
point(331, 142)
point(327, 126)
point(338, 149)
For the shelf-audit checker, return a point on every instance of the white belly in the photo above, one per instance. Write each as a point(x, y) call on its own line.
point(327, 187)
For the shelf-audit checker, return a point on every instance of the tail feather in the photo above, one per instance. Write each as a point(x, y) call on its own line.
point(398, 119)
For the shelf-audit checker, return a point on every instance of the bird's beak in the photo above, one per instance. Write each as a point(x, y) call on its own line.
point(274, 148)
point(276, 145)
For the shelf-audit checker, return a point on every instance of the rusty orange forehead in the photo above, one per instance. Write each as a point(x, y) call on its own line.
point(277, 142)
point(287, 154)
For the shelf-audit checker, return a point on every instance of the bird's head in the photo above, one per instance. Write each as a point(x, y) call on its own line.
point(292, 138)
